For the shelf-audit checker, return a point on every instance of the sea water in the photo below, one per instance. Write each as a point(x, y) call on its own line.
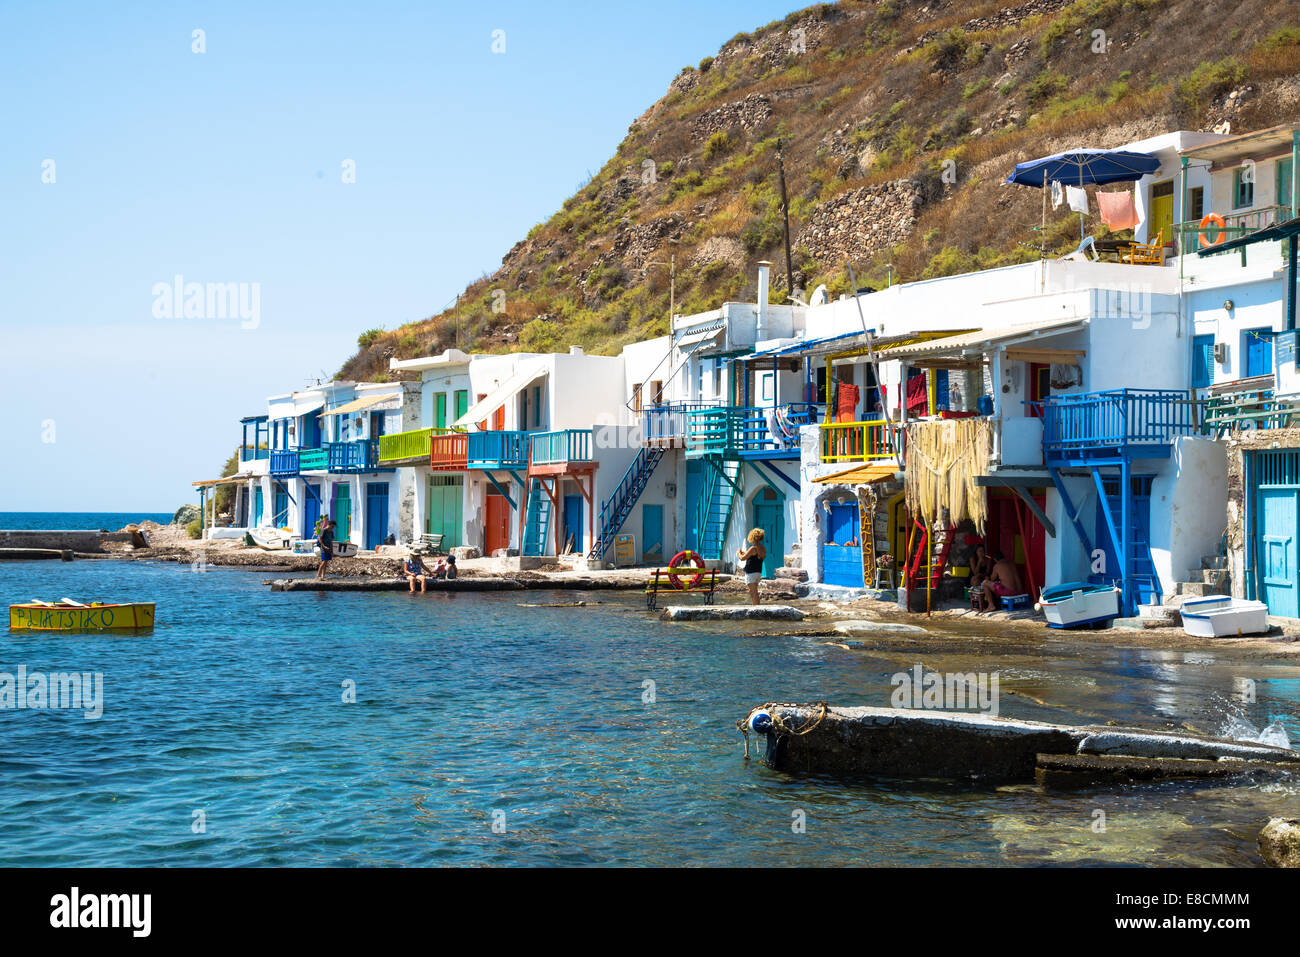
point(254, 727)
point(77, 521)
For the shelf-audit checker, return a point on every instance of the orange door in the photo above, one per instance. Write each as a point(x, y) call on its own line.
point(497, 533)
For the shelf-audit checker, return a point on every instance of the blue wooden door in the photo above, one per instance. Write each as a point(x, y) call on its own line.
point(769, 515)
point(342, 512)
point(652, 533)
point(257, 508)
point(694, 488)
point(1277, 550)
point(310, 509)
point(1256, 352)
point(280, 518)
point(572, 523)
point(842, 553)
point(1202, 361)
point(376, 514)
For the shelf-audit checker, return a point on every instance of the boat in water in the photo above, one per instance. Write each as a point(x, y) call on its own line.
point(1079, 605)
point(71, 616)
point(1223, 617)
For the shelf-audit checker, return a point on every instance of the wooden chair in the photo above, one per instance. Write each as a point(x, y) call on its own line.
point(1148, 254)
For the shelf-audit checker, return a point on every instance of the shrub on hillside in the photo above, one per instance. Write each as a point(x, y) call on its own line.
point(367, 338)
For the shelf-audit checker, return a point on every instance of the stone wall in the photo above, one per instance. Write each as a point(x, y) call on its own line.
point(862, 222)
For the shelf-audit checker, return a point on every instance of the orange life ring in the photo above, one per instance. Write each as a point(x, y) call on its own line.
point(685, 555)
point(1216, 220)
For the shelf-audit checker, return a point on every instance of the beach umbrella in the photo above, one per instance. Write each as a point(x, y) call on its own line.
point(1083, 168)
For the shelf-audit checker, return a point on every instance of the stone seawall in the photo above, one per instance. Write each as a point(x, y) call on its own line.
point(85, 540)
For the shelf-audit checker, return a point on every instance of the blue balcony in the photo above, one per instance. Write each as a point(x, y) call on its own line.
point(748, 432)
point(666, 424)
point(497, 450)
point(284, 462)
point(361, 455)
point(1095, 427)
point(560, 451)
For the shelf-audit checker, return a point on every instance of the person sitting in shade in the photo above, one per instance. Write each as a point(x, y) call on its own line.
point(980, 567)
point(1003, 580)
point(414, 569)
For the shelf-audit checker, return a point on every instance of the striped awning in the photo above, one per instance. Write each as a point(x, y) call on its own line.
point(705, 332)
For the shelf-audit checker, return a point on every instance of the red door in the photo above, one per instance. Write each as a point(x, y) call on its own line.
point(1012, 529)
point(497, 533)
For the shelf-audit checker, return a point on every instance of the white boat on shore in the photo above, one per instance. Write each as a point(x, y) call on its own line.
point(1079, 604)
point(272, 539)
point(1223, 617)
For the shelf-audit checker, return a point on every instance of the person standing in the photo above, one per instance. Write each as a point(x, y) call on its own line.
point(753, 557)
point(325, 541)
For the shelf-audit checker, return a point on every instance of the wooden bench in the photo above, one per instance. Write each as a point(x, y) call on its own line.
point(660, 582)
point(430, 543)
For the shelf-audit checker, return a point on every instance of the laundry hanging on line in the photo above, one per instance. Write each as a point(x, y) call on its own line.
point(1077, 197)
point(1118, 211)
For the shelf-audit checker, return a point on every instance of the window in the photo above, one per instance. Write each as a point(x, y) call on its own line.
point(1256, 352)
point(539, 416)
point(1202, 361)
point(1196, 203)
point(636, 397)
point(657, 392)
point(1243, 187)
point(717, 377)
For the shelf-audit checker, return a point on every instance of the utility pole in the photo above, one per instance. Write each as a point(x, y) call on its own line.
point(785, 211)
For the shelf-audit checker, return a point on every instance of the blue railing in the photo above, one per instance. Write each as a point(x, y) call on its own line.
point(745, 430)
point(668, 421)
point(284, 461)
point(562, 447)
point(1112, 422)
point(498, 450)
point(361, 455)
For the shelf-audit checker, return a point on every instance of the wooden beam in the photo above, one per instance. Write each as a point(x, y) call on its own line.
point(1059, 356)
point(1037, 512)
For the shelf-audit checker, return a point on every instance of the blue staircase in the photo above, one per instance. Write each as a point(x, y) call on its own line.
point(1141, 566)
point(537, 520)
point(615, 510)
point(717, 498)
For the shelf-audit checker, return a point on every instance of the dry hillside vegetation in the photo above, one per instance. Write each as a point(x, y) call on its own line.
point(873, 102)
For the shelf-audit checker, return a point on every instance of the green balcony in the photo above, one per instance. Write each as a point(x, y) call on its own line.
point(311, 460)
point(402, 446)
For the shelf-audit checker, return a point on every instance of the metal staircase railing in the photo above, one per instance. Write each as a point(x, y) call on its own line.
point(616, 509)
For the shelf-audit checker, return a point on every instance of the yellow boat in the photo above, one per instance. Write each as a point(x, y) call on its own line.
point(71, 616)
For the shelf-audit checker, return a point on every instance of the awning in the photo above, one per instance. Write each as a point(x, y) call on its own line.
point(208, 483)
point(356, 405)
point(499, 396)
point(975, 343)
point(702, 333)
point(859, 475)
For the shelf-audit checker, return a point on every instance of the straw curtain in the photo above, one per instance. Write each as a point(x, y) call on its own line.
point(943, 460)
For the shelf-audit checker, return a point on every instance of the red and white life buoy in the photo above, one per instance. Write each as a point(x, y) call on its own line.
point(684, 559)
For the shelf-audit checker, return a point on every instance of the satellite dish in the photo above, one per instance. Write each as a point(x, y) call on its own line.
point(820, 296)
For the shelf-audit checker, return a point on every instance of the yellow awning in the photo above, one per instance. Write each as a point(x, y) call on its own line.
point(356, 405)
point(859, 475)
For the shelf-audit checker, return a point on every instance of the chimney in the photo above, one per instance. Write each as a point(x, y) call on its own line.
point(576, 351)
point(760, 333)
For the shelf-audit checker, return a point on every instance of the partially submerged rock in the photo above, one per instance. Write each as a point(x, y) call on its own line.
point(1279, 842)
point(857, 628)
point(732, 613)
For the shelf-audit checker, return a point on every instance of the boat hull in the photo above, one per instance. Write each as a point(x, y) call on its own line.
point(1079, 604)
point(72, 619)
point(1223, 617)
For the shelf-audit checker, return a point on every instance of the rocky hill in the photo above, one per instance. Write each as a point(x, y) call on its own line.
point(897, 121)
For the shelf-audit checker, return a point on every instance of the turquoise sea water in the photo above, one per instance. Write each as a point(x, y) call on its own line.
point(13, 521)
point(468, 705)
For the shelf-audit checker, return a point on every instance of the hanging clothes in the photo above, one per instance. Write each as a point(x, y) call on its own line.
point(846, 402)
point(1077, 197)
point(918, 395)
point(1118, 211)
point(1058, 194)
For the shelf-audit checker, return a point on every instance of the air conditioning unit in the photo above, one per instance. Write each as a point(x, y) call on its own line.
point(1221, 353)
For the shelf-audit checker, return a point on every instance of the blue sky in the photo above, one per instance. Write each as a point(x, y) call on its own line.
point(226, 167)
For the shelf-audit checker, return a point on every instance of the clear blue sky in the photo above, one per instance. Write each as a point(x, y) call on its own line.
point(226, 166)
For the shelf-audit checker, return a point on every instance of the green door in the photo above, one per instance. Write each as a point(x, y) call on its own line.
point(440, 410)
point(342, 512)
point(446, 498)
point(769, 509)
point(462, 402)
